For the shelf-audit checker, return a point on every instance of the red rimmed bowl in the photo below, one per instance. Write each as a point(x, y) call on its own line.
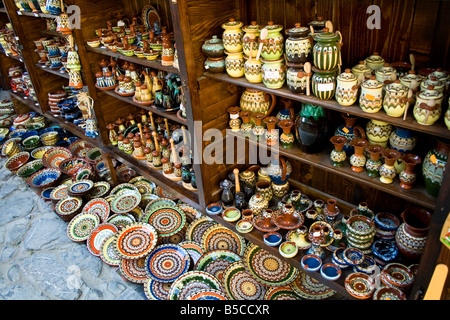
point(54, 156)
point(44, 178)
point(17, 161)
point(72, 165)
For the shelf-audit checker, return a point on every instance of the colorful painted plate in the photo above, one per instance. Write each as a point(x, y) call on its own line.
point(137, 213)
point(99, 189)
point(240, 285)
point(133, 270)
point(54, 156)
point(80, 147)
point(207, 294)
point(191, 282)
point(191, 212)
point(155, 290)
point(144, 185)
point(267, 268)
point(146, 199)
point(166, 219)
point(98, 235)
point(218, 237)
point(281, 293)
point(151, 17)
point(123, 187)
point(98, 206)
point(359, 285)
point(59, 192)
point(68, 207)
point(167, 262)
point(125, 202)
point(80, 188)
point(121, 220)
point(158, 202)
point(215, 262)
point(196, 228)
point(164, 193)
point(136, 241)
point(108, 252)
point(194, 249)
point(80, 227)
point(311, 289)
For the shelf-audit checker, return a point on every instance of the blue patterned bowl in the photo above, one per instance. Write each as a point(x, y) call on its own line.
point(44, 178)
point(386, 221)
point(80, 188)
point(384, 250)
point(330, 271)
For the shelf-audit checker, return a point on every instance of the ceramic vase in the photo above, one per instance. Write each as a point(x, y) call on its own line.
point(232, 35)
point(378, 132)
point(271, 133)
point(358, 159)
point(395, 99)
point(273, 73)
point(258, 129)
point(311, 128)
point(296, 78)
point(338, 155)
point(349, 130)
point(433, 167)
point(234, 64)
point(373, 163)
point(235, 122)
point(327, 50)
point(287, 137)
point(298, 45)
point(427, 109)
point(279, 170)
point(273, 45)
point(323, 83)
point(246, 126)
point(253, 70)
point(371, 97)
point(347, 88)
point(387, 170)
point(250, 39)
point(412, 234)
point(408, 176)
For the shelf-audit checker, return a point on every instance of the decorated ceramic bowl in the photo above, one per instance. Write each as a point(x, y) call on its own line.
point(359, 285)
point(214, 208)
point(71, 165)
point(151, 54)
point(30, 168)
point(68, 208)
point(288, 249)
point(54, 156)
point(94, 43)
point(244, 226)
point(397, 275)
point(337, 258)
point(45, 194)
point(272, 238)
point(17, 161)
point(10, 148)
point(231, 214)
point(80, 188)
point(311, 262)
point(388, 293)
point(28, 133)
point(386, 221)
point(384, 251)
point(44, 178)
point(368, 265)
point(31, 143)
point(330, 271)
point(50, 138)
point(353, 256)
point(38, 153)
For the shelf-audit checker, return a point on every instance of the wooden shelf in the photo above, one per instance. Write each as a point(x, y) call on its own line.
point(36, 14)
point(3, 10)
point(439, 129)
point(53, 33)
point(58, 73)
point(155, 64)
point(169, 115)
point(417, 195)
point(26, 101)
point(15, 57)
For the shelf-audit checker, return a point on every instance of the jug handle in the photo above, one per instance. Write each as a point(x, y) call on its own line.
point(283, 164)
point(254, 168)
point(274, 102)
point(360, 131)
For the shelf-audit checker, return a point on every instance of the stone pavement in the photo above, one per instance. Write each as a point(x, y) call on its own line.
point(37, 259)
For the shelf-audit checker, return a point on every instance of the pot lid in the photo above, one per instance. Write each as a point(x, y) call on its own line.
point(273, 27)
point(232, 23)
point(396, 87)
point(298, 31)
point(385, 70)
point(433, 81)
point(253, 27)
point(375, 57)
point(214, 39)
point(326, 36)
point(347, 76)
point(372, 83)
point(439, 74)
point(411, 76)
point(430, 94)
point(318, 23)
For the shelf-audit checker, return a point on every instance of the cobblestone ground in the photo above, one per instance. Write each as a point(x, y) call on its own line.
point(37, 259)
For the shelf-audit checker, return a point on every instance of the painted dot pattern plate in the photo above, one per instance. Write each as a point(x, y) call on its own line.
point(99, 189)
point(218, 237)
point(144, 185)
point(309, 288)
point(207, 294)
point(267, 268)
point(59, 192)
point(197, 227)
point(125, 202)
point(167, 262)
point(121, 220)
point(166, 219)
point(194, 249)
point(215, 262)
point(108, 252)
point(80, 227)
point(281, 293)
point(158, 202)
point(156, 290)
point(191, 212)
point(68, 205)
point(191, 282)
point(133, 270)
point(98, 235)
point(240, 285)
point(136, 241)
point(98, 206)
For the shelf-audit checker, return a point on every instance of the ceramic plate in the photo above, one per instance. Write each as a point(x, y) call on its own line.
point(167, 262)
point(144, 185)
point(207, 294)
point(133, 270)
point(164, 193)
point(122, 188)
point(108, 252)
point(121, 220)
point(300, 240)
point(166, 219)
point(59, 192)
point(311, 289)
point(81, 187)
point(196, 228)
point(158, 202)
point(98, 235)
point(267, 268)
point(150, 16)
point(54, 156)
point(99, 189)
point(136, 240)
point(191, 212)
point(193, 248)
point(218, 237)
point(98, 206)
point(68, 206)
point(215, 262)
point(80, 227)
point(281, 293)
point(155, 290)
point(191, 282)
point(240, 285)
point(125, 202)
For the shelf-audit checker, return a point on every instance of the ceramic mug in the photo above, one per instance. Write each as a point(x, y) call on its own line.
point(264, 188)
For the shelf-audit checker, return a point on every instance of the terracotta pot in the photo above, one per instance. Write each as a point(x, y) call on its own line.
point(408, 176)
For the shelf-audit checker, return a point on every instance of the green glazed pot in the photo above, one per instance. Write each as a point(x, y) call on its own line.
point(323, 83)
point(327, 51)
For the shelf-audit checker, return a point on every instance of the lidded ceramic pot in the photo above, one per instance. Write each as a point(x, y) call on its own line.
point(427, 109)
point(213, 48)
point(273, 45)
point(347, 88)
point(232, 36)
point(375, 61)
point(273, 73)
point(411, 80)
point(234, 64)
point(395, 99)
point(296, 78)
point(298, 44)
point(327, 50)
point(251, 31)
point(371, 98)
point(386, 74)
point(323, 83)
point(253, 70)
point(437, 84)
point(441, 75)
point(215, 65)
point(362, 69)
point(318, 24)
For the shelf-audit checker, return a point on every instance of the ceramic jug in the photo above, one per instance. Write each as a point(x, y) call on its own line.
point(232, 35)
point(347, 88)
point(311, 128)
point(298, 45)
point(255, 100)
point(327, 50)
point(395, 99)
point(273, 45)
point(350, 131)
point(371, 98)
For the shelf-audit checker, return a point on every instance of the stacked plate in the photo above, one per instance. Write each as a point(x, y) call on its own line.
point(127, 197)
point(360, 233)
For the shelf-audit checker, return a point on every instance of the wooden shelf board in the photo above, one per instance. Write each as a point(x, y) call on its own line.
point(36, 14)
point(439, 129)
point(169, 115)
point(15, 57)
point(53, 33)
point(417, 195)
point(26, 100)
point(155, 64)
point(58, 73)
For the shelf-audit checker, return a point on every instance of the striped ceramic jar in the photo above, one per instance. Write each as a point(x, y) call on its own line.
point(326, 51)
point(323, 84)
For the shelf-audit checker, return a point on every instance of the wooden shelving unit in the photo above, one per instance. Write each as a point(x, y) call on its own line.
point(56, 72)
